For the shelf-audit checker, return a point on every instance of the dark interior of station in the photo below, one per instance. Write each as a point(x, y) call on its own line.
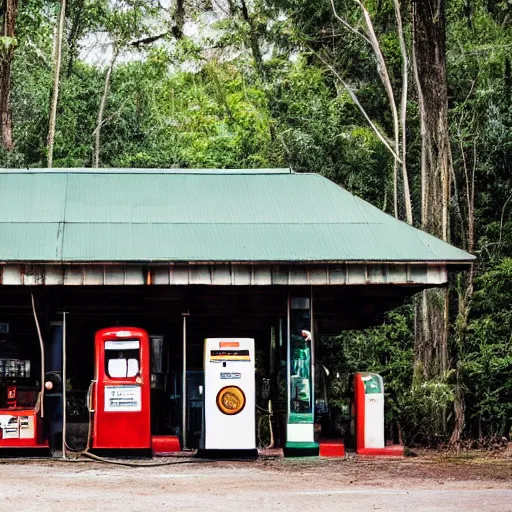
point(198, 312)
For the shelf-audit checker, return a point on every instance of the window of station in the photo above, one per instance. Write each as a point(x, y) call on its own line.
point(122, 359)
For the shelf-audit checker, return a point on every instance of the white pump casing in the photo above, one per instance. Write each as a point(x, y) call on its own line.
point(373, 411)
point(229, 362)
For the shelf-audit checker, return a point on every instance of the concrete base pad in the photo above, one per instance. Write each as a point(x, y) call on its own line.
point(227, 454)
point(298, 449)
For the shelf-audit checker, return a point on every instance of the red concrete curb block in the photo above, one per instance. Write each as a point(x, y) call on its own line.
point(332, 449)
point(165, 444)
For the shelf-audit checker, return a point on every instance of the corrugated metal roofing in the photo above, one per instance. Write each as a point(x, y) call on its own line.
point(104, 215)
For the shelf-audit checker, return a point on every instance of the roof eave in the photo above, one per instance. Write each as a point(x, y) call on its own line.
point(453, 264)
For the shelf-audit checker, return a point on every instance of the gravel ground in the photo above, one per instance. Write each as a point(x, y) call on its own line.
point(419, 484)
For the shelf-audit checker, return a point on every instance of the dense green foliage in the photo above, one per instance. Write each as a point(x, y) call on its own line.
point(487, 361)
point(258, 90)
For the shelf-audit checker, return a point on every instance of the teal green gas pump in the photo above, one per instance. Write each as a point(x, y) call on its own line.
point(300, 424)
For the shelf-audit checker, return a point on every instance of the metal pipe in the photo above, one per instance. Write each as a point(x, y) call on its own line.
point(184, 384)
point(64, 385)
point(41, 346)
point(272, 348)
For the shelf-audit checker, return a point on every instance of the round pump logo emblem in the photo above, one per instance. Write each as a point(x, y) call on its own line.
point(230, 400)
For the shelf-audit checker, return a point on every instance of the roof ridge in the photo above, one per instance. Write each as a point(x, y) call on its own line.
point(170, 171)
point(190, 223)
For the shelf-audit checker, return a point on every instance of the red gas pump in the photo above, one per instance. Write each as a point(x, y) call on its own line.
point(121, 389)
point(367, 422)
point(21, 425)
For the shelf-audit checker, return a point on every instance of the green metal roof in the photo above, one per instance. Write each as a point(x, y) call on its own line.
point(199, 215)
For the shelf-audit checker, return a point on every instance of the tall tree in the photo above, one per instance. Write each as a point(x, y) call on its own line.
point(429, 45)
point(57, 59)
point(129, 28)
point(101, 110)
point(8, 14)
point(399, 116)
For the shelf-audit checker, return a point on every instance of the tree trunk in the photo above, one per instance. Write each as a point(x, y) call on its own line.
point(465, 294)
point(430, 75)
point(76, 30)
point(403, 111)
point(382, 70)
point(57, 58)
point(399, 150)
point(179, 19)
point(9, 12)
point(253, 41)
point(101, 110)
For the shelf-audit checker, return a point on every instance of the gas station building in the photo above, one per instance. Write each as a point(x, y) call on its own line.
point(185, 255)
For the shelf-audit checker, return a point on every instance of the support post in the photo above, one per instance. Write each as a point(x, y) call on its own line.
point(54, 398)
point(64, 385)
point(184, 383)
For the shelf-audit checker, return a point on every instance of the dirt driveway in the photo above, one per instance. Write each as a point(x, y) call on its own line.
point(419, 484)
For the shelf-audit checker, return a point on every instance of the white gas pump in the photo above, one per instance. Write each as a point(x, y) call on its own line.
point(229, 394)
point(368, 416)
point(373, 410)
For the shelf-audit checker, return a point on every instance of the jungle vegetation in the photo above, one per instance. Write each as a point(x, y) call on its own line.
point(406, 103)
